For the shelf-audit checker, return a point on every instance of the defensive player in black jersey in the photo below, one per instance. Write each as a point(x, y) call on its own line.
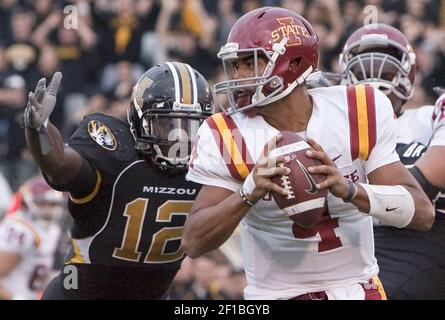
point(128, 195)
point(412, 263)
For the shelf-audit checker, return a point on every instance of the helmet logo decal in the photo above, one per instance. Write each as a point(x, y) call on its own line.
point(102, 135)
point(138, 94)
point(289, 29)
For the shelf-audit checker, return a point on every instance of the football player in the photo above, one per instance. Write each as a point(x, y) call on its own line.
point(412, 264)
point(29, 237)
point(269, 54)
point(128, 195)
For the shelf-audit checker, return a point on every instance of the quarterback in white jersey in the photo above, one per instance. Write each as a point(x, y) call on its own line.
point(411, 263)
point(282, 259)
point(28, 241)
point(355, 125)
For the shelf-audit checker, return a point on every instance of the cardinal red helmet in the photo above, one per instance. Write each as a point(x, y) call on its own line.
point(280, 36)
point(38, 200)
point(381, 56)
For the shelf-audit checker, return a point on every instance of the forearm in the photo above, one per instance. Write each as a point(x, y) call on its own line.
point(87, 36)
point(361, 200)
point(423, 218)
point(208, 228)
point(50, 163)
point(58, 165)
point(402, 206)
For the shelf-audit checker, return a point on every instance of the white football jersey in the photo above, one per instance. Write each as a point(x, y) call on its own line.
point(282, 260)
point(36, 244)
point(414, 125)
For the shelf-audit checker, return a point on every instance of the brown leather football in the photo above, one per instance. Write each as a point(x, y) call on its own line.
point(304, 203)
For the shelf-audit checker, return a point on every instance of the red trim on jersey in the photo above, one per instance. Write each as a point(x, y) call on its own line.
point(222, 148)
point(372, 122)
point(239, 138)
point(353, 121)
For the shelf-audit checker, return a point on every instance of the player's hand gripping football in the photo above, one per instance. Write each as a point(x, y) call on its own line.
point(266, 168)
point(334, 181)
point(41, 102)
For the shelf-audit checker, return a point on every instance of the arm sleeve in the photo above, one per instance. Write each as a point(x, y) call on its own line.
point(384, 151)
point(207, 165)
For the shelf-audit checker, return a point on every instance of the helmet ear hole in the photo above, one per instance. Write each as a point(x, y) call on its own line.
point(261, 15)
point(293, 66)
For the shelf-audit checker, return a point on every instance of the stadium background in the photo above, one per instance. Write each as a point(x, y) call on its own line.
point(113, 42)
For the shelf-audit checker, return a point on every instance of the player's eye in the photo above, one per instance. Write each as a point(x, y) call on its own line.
point(250, 63)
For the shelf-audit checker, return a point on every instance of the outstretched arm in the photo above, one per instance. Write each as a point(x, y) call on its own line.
point(59, 162)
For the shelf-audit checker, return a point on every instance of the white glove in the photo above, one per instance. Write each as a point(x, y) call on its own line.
point(41, 103)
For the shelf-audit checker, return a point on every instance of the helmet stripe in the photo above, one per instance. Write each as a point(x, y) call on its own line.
point(185, 81)
point(176, 79)
point(194, 85)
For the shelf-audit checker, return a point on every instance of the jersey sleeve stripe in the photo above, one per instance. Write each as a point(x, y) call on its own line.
point(231, 142)
point(240, 142)
point(35, 234)
point(91, 196)
point(353, 122)
point(222, 148)
point(362, 117)
point(372, 120)
point(236, 157)
point(77, 256)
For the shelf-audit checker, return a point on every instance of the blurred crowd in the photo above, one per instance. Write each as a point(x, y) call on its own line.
point(103, 46)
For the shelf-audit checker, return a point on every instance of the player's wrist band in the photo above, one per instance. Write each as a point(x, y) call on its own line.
point(247, 189)
point(248, 185)
point(244, 197)
point(352, 192)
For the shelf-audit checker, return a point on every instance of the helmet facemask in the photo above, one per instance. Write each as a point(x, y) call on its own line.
point(169, 103)
point(167, 136)
point(251, 88)
point(385, 65)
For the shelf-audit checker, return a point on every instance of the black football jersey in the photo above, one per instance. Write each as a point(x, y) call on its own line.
point(134, 217)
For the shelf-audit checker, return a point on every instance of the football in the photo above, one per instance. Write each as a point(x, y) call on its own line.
point(304, 203)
